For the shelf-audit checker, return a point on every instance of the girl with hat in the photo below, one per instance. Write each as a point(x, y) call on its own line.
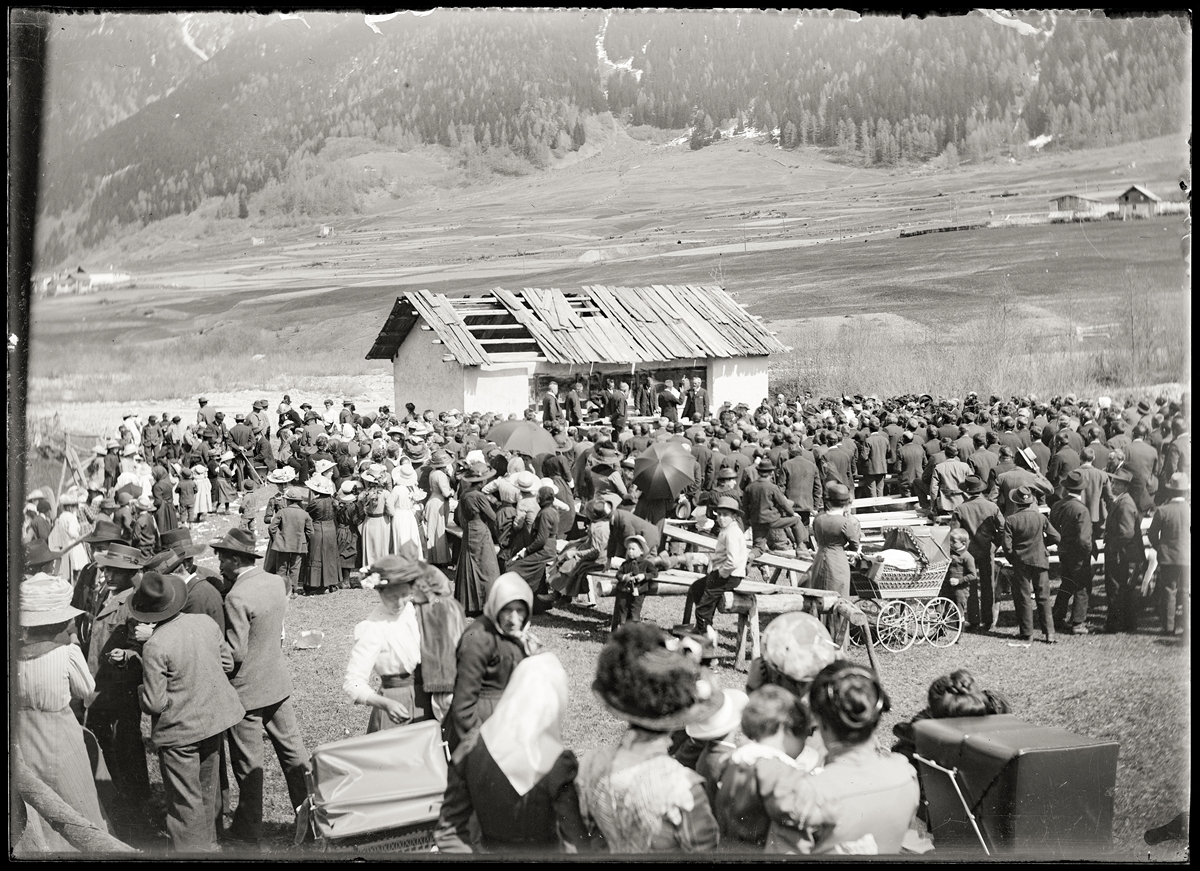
point(225, 491)
point(634, 582)
point(145, 527)
point(837, 535)
point(322, 571)
point(347, 519)
point(513, 773)
point(50, 672)
point(191, 705)
point(581, 557)
point(374, 505)
point(204, 494)
point(489, 650)
point(437, 509)
point(477, 564)
point(863, 800)
point(641, 799)
point(280, 478)
point(409, 640)
point(402, 507)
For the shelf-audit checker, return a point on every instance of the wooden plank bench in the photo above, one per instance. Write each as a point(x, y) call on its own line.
point(780, 564)
point(878, 501)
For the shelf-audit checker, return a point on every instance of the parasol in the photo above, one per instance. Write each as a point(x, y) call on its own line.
point(663, 470)
point(523, 437)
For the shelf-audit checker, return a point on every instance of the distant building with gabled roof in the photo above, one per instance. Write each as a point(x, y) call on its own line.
point(498, 351)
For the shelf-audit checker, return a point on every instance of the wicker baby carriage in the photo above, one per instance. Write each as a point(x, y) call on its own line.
point(903, 605)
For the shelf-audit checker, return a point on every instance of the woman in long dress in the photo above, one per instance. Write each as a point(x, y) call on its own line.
point(541, 551)
point(322, 568)
point(67, 532)
point(225, 492)
point(406, 532)
point(348, 518)
point(477, 565)
point(204, 501)
point(51, 670)
point(409, 640)
point(835, 533)
point(376, 529)
point(163, 494)
point(437, 509)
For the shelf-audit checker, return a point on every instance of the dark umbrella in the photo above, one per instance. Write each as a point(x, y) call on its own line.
point(523, 437)
point(663, 470)
point(131, 488)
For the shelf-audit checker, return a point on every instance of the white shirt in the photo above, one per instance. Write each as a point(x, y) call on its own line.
point(385, 644)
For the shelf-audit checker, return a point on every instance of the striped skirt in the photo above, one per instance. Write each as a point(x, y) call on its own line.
point(52, 746)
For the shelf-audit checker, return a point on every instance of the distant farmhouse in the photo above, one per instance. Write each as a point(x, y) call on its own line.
point(80, 282)
point(498, 351)
point(1130, 202)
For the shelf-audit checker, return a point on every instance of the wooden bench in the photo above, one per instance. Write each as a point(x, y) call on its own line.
point(878, 501)
point(780, 564)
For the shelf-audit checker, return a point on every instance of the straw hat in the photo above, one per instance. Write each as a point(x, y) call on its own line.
point(286, 475)
point(346, 492)
point(727, 718)
point(46, 600)
point(157, 598)
point(130, 450)
point(439, 459)
point(1179, 483)
point(728, 503)
point(320, 484)
point(323, 466)
point(797, 646)
point(295, 494)
point(228, 455)
point(144, 503)
point(526, 482)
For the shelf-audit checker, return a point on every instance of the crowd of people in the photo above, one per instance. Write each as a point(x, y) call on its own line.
point(466, 535)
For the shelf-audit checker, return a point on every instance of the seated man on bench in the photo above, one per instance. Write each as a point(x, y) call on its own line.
point(727, 567)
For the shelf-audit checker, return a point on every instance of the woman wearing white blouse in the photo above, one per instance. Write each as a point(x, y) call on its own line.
point(389, 643)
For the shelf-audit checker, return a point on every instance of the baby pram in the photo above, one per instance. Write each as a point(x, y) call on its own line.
point(377, 793)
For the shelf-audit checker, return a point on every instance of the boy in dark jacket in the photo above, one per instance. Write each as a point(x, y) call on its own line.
point(633, 581)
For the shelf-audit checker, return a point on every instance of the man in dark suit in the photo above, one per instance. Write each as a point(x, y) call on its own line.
point(616, 403)
point(1010, 478)
point(1170, 535)
point(574, 403)
point(984, 524)
point(706, 463)
point(1026, 535)
point(254, 610)
point(910, 461)
point(1142, 460)
point(982, 461)
point(291, 530)
point(878, 451)
point(1176, 456)
point(763, 505)
point(668, 401)
point(1071, 517)
point(552, 412)
point(698, 407)
point(802, 484)
point(1096, 493)
point(1123, 556)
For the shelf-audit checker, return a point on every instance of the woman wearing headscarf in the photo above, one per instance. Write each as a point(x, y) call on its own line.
point(437, 509)
point(864, 798)
point(321, 571)
point(487, 654)
point(541, 550)
point(639, 798)
point(409, 640)
point(514, 774)
point(163, 494)
point(51, 671)
point(374, 505)
point(477, 565)
point(226, 472)
point(835, 533)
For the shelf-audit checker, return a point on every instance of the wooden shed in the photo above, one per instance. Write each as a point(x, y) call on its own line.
point(497, 351)
point(1137, 202)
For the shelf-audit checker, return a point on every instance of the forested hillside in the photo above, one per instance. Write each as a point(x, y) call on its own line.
point(138, 141)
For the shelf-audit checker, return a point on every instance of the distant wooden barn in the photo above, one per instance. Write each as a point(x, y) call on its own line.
point(499, 350)
point(1137, 202)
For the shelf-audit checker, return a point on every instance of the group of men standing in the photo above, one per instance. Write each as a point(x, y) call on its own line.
point(617, 401)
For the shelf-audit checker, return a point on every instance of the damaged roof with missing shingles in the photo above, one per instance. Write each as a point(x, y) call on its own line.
point(594, 325)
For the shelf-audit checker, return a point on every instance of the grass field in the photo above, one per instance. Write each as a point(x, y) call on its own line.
point(800, 240)
point(1133, 689)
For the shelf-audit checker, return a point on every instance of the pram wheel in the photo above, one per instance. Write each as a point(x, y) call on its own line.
point(941, 622)
point(896, 626)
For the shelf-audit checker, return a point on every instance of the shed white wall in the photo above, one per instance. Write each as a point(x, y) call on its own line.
point(502, 388)
point(420, 376)
point(737, 379)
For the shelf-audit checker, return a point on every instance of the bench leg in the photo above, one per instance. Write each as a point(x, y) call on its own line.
point(592, 594)
point(742, 627)
point(755, 633)
point(688, 604)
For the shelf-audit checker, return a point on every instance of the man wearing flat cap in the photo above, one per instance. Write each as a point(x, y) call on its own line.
point(1026, 536)
point(254, 610)
point(1073, 520)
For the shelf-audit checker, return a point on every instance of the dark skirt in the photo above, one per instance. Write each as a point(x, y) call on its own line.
point(323, 566)
point(532, 567)
point(166, 517)
point(477, 567)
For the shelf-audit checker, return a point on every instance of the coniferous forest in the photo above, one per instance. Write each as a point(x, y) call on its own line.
point(168, 129)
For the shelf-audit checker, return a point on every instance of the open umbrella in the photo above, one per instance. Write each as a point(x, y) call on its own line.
point(522, 436)
point(663, 470)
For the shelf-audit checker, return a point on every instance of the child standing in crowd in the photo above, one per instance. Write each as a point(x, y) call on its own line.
point(961, 575)
point(186, 491)
point(204, 496)
point(634, 579)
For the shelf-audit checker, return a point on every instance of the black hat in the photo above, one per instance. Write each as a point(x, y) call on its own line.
point(38, 554)
point(237, 540)
point(157, 598)
point(973, 484)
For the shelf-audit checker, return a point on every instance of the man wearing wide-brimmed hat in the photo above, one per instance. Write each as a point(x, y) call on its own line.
point(1026, 536)
point(1170, 535)
point(113, 715)
point(727, 566)
point(984, 525)
point(1073, 520)
point(191, 704)
point(291, 530)
point(1124, 555)
point(254, 610)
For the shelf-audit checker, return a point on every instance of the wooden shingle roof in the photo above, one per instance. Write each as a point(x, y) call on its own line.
point(595, 325)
